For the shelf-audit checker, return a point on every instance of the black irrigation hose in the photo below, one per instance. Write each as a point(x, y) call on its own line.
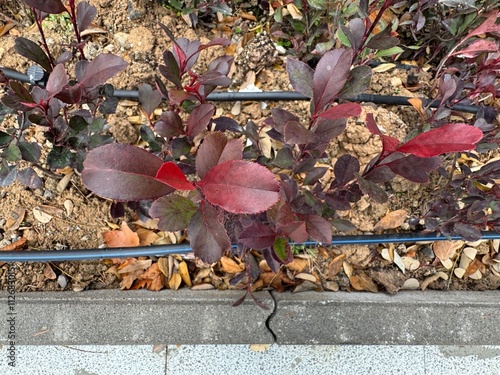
point(162, 250)
point(272, 96)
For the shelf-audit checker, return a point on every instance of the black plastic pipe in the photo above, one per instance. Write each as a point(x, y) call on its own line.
point(162, 250)
point(273, 96)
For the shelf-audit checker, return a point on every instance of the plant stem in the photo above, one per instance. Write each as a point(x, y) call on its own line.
point(38, 22)
point(72, 17)
point(46, 172)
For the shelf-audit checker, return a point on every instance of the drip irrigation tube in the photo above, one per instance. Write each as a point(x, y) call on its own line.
point(273, 96)
point(162, 250)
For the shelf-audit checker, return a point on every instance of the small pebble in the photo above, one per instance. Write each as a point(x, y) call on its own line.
point(62, 281)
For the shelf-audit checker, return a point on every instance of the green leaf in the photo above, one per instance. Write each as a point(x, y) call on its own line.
point(59, 157)
point(343, 38)
point(282, 250)
point(30, 151)
point(4, 138)
point(12, 153)
point(174, 212)
point(389, 52)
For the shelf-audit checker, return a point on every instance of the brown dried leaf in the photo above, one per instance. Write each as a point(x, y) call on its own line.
point(153, 277)
point(392, 220)
point(146, 236)
point(49, 273)
point(230, 266)
point(121, 238)
point(473, 267)
point(183, 271)
point(446, 249)
point(361, 281)
point(5, 28)
point(163, 266)
point(132, 265)
point(14, 218)
point(335, 266)
point(41, 216)
point(433, 278)
point(18, 245)
point(306, 276)
point(297, 265)
point(175, 281)
point(418, 105)
point(203, 287)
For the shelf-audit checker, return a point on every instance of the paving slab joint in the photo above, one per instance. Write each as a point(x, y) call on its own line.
point(271, 316)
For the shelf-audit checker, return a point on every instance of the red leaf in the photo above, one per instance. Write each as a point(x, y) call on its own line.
point(477, 47)
point(489, 25)
point(296, 134)
point(342, 111)
point(207, 235)
point(57, 80)
point(319, 229)
point(389, 143)
point(171, 174)
point(216, 149)
point(102, 68)
point(257, 237)
point(296, 231)
point(330, 76)
point(199, 119)
point(448, 138)
point(124, 173)
point(240, 187)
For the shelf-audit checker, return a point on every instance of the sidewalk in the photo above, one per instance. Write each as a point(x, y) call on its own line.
point(256, 359)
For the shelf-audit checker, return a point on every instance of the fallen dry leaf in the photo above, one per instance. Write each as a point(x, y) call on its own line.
point(392, 220)
point(259, 348)
point(124, 237)
point(14, 218)
point(154, 279)
point(5, 28)
point(163, 266)
point(183, 271)
point(306, 276)
point(49, 273)
point(146, 236)
point(446, 249)
point(230, 266)
point(432, 278)
point(175, 281)
point(41, 216)
point(361, 281)
point(132, 265)
point(335, 266)
point(418, 105)
point(298, 265)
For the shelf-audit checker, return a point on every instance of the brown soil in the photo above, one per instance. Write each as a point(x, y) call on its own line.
point(130, 29)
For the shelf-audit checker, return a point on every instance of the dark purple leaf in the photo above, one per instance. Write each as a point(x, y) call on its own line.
point(281, 117)
point(357, 31)
point(452, 137)
point(33, 52)
point(174, 212)
point(226, 123)
point(327, 129)
point(240, 187)
point(199, 119)
point(467, 232)
point(186, 53)
point(169, 125)
point(318, 228)
point(491, 170)
point(29, 178)
point(101, 69)
point(284, 158)
point(221, 64)
point(343, 225)
point(447, 88)
point(257, 236)
point(71, 94)
point(171, 70)
point(58, 78)
point(217, 149)
point(338, 201)
point(330, 76)
point(414, 168)
point(224, 42)
point(296, 134)
point(149, 99)
point(170, 174)
point(215, 78)
point(271, 261)
point(383, 40)
point(123, 173)
point(47, 6)
point(374, 191)
point(345, 170)
point(8, 174)
point(301, 76)
point(313, 176)
point(207, 235)
point(85, 14)
point(358, 82)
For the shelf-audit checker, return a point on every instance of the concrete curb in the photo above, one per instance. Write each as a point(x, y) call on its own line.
point(407, 318)
point(114, 317)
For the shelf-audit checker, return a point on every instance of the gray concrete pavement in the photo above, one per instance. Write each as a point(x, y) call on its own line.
point(253, 359)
